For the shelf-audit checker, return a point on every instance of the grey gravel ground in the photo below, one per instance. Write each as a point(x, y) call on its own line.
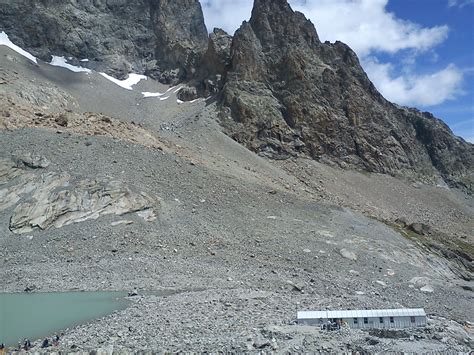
point(242, 240)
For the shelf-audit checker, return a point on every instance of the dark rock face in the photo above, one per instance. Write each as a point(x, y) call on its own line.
point(117, 36)
point(187, 94)
point(215, 63)
point(287, 94)
point(181, 35)
point(114, 35)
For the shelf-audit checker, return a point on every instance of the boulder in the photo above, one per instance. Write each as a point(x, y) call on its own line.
point(187, 94)
point(420, 228)
point(348, 254)
point(427, 289)
point(32, 161)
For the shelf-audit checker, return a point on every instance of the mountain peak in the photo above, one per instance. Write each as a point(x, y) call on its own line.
point(289, 95)
point(283, 92)
point(274, 21)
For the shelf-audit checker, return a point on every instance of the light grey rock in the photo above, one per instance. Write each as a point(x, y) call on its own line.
point(427, 289)
point(33, 161)
point(57, 200)
point(348, 254)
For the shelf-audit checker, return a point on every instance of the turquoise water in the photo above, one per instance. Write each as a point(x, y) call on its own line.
point(38, 315)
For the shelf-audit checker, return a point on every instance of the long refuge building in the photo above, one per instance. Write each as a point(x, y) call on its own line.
point(361, 319)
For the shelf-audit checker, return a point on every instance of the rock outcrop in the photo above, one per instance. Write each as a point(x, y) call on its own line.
point(50, 199)
point(161, 38)
point(215, 63)
point(286, 94)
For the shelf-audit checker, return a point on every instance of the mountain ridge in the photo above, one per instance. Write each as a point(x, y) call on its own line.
point(281, 91)
point(123, 185)
point(288, 93)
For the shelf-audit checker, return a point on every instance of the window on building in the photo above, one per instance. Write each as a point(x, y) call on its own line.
point(356, 321)
point(412, 319)
point(366, 320)
point(381, 319)
point(392, 320)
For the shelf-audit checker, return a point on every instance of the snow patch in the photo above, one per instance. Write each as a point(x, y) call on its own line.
point(128, 83)
point(5, 41)
point(62, 62)
point(84, 60)
point(152, 94)
point(164, 98)
point(179, 101)
point(171, 88)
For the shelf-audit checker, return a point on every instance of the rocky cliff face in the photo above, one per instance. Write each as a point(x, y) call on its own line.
point(215, 63)
point(289, 94)
point(161, 38)
point(181, 35)
point(282, 92)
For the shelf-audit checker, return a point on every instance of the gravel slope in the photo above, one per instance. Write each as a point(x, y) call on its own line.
point(243, 240)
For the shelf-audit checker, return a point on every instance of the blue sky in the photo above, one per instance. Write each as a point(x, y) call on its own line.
point(418, 53)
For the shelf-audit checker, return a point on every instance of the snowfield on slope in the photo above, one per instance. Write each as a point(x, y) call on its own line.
point(5, 41)
point(62, 62)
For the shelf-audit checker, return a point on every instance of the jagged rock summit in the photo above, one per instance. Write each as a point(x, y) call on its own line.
point(290, 94)
point(282, 92)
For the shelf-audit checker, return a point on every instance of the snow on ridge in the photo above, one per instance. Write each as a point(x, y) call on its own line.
point(5, 41)
point(62, 62)
point(127, 84)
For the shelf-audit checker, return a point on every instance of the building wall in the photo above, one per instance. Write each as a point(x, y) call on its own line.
point(384, 322)
point(398, 322)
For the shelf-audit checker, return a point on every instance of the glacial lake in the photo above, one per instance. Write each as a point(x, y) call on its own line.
point(38, 315)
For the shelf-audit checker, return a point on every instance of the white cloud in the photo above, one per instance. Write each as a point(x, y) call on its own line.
point(412, 89)
point(368, 28)
point(460, 3)
point(365, 25)
point(226, 14)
